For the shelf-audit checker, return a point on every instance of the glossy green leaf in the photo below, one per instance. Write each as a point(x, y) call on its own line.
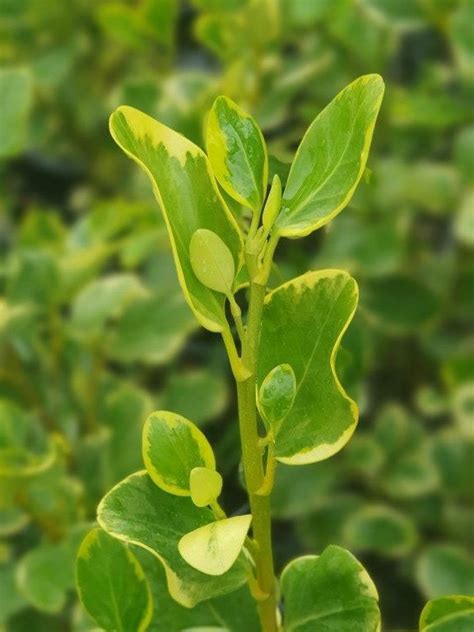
point(444, 569)
point(448, 614)
point(188, 197)
point(380, 529)
point(139, 512)
point(205, 486)
point(112, 585)
point(332, 592)
point(276, 395)
point(237, 153)
point(16, 91)
point(331, 159)
point(303, 323)
point(212, 261)
point(273, 204)
point(213, 549)
point(172, 447)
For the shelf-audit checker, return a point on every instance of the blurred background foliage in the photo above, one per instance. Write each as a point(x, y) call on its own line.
point(94, 333)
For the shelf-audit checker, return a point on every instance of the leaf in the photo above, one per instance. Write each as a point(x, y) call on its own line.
point(188, 197)
point(46, 573)
point(399, 304)
point(276, 395)
point(444, 569)
point(330, 159)
point(212, 261)
point(332, 592)
point(16, 91)
point(12, 601)
point(172, 447)
point(233, 612)
point(380, 529)
point(151, 330)
point(199, 393)
point(448, 614)
point(303, 323)
point(273, 204)
point(102, 299)
point(139, 512)
point(205, 486)
point(237, 153)
point(213, 549)
point(112, 585)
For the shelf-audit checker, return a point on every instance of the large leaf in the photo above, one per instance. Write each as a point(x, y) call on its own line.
point(139, 512)
point(234, 612)
point(172, 447)
point(112, 585)
point(237, 153)
point(331, 159)
point(189, 198)
point(448, 614)
point(332, 592)
point(303, 323)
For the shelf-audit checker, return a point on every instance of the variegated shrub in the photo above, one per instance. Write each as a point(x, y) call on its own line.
point(167, 555)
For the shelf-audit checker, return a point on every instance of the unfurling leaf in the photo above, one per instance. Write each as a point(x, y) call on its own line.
point(213, 549)
point(112, 585)
point(273, 204)
point(139, 512)
point(172, 447)
point(205, 486)
point(332, 592)
point(188, 196)
point(237, 153)
point(303, 323)
point(212, 261)
point(331, 159)
point(276, 395)
point(448, 614)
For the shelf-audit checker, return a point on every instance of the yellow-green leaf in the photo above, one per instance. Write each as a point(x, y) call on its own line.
point(112, 585)
point(205, 486)
point(276, 395)
point(172, 447)
point(189, 199)
point(331, 158)
point(213, 549)
point(448, 614)
point(237, 153)
point(212, 261)
point(303, 323)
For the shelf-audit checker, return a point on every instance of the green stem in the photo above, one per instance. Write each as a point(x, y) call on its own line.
point(252, 463)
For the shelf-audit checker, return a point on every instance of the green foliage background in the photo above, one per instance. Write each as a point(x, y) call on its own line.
point(94, 333)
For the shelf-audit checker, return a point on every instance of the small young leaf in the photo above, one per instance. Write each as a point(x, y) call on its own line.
point(205, 486)
point(448, 614)
point(237, 153)
point(212, 261)
point(273, 203)
point(172, 447)
point(213, 549)
point(332, 592)
point(111, 584)
point(303, 323)
point(139, 512)
point(276, 395)
point(189, 199)
point(331, 159)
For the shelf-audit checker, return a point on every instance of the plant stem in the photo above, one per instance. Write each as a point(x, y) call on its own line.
point(252, 462)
